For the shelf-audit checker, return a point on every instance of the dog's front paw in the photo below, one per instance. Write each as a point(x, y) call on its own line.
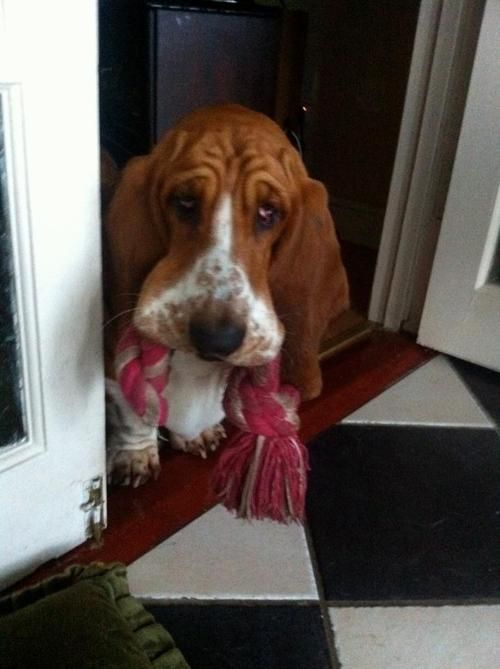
point(133, 467)
point(208, 440)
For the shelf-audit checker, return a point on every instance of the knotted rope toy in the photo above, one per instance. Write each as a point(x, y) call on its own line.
point(262, 472)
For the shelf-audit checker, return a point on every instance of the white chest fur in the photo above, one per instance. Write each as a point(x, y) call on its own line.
point(194, 393)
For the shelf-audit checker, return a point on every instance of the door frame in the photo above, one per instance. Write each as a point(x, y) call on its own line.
point(443, 55)
point(461, 316)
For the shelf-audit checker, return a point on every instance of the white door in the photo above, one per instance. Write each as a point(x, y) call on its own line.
point(462, 308)
point(51, 388)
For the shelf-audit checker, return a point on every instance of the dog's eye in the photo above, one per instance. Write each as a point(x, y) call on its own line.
point(186, 207)
point(267, 216)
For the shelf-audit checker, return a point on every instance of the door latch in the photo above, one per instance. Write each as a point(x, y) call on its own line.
point(94, 508)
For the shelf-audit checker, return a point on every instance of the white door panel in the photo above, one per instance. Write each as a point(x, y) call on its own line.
point(48, 84)
point(462, 309)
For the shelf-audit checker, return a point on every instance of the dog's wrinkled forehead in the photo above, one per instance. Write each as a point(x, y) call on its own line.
point(226, 159)
point(227, 196)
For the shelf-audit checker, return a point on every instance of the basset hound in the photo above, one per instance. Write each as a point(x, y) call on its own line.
point(220, 246)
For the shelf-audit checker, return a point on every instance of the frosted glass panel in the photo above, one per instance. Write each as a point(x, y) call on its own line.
point(489, 268)
point(494, 275)
point(490, 263)
point(12, 423)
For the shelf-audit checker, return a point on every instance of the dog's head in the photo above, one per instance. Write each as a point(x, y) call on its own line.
point(223, 246)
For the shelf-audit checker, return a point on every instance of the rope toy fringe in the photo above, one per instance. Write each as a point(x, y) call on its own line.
point(262, 472)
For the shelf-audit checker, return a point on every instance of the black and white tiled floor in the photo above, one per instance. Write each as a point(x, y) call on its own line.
point(398, 566)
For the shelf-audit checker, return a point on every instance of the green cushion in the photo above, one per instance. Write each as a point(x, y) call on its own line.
point(84, 618)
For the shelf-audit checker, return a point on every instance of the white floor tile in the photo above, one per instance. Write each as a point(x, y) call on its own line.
point(219, 557)
point(434, 394)
point(458, 637)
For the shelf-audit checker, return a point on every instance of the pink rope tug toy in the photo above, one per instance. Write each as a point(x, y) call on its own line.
point(262, 472)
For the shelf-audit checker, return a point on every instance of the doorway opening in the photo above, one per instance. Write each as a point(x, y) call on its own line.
point(333, 75)
point(357, 66)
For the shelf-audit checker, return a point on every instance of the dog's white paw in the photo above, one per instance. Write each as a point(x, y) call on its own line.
point(209, 440)
point(133, 467)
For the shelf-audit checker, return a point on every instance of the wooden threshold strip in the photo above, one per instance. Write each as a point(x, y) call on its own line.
point(141, 518)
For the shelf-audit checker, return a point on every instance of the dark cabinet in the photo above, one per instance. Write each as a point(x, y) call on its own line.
point(160, 60)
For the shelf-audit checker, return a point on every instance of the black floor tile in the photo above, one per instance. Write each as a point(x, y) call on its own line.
point(406, 512)
point(484, 384)
point(223, 636)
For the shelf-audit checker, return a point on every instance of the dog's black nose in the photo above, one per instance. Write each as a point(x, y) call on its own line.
point(214, 341)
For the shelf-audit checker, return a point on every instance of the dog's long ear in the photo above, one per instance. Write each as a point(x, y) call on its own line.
point(134, 240)
point(308, 285)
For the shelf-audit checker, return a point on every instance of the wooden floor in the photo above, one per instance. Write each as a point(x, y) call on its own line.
point(140, 519)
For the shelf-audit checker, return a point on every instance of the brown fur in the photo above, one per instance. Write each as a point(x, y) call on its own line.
point(296, 267)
